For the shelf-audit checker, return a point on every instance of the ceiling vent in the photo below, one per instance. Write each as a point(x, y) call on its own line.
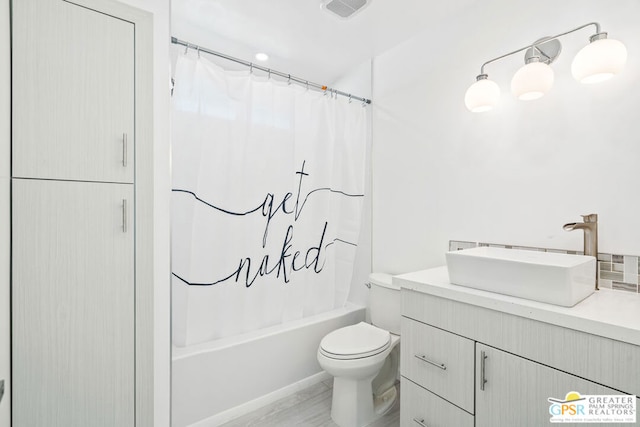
point(344, 8)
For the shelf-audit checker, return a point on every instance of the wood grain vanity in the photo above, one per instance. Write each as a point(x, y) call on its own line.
point(471, 357)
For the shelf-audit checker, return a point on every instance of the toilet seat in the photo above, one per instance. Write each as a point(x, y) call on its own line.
point(355, 342)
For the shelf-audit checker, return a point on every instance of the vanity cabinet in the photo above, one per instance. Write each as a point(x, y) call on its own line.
point(466, 364)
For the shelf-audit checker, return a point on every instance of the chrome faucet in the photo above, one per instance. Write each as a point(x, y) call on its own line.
point(590, 228)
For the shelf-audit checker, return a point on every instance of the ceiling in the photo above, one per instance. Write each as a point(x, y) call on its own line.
point(302, 39)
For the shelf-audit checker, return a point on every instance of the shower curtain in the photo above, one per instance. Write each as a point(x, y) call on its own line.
point(268, 183)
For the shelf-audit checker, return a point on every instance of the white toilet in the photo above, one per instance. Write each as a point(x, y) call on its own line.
point(364, 358)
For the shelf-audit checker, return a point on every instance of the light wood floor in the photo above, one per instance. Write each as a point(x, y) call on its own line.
point(310, 407)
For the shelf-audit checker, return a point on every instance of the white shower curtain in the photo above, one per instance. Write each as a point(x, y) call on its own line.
point(268, 183)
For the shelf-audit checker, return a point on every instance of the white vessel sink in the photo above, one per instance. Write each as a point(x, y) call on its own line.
point(553, 278)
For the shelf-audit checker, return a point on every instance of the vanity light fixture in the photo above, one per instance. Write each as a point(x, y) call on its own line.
point(600, 60)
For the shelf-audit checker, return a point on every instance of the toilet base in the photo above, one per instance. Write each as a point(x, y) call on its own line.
point(353, 403)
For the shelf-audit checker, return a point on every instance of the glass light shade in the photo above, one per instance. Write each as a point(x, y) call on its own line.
point(599, 61)
point(532, 81)
point(482, 96)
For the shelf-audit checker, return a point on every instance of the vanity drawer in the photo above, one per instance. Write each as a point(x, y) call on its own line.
point(419, 407)
point(439, 361)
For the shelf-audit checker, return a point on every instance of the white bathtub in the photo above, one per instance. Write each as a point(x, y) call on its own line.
point(217, 381)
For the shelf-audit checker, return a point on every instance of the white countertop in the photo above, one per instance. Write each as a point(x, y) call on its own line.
point(607, 313)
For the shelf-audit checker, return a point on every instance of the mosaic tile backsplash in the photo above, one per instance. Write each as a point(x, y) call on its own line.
point(619, 272)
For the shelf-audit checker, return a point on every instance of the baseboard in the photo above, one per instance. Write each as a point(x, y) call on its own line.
point(252, 405)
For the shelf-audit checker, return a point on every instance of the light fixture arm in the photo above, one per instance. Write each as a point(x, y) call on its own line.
point(535, 44)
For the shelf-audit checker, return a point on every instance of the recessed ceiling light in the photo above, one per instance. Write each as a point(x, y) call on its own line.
point(260, 56)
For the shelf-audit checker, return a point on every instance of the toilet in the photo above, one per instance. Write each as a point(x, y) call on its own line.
point(364, 358)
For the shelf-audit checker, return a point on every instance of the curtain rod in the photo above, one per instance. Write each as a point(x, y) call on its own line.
point(289, 77)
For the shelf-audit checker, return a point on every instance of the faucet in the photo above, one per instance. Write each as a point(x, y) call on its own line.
point(590, 228)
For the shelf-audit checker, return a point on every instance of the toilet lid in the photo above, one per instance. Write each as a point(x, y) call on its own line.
point(356, 341)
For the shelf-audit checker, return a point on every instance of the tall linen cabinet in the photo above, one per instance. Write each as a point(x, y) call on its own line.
point(82, 223)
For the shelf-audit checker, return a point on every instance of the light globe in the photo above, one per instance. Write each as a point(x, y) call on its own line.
point(482, 96)
point(599, 61)
point(532, 81)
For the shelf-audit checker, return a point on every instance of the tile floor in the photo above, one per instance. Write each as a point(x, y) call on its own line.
point(310, 407)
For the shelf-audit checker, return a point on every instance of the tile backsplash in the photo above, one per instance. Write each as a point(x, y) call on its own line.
point(619, 272)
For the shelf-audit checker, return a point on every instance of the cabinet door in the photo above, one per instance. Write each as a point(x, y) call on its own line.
point(73, 93)
point(516, 389)
point(73, 304)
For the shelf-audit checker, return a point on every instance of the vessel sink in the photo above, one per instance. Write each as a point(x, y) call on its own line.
point(553, 278)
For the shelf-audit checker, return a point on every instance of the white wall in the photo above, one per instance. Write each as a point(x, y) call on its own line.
point(5, 203)
point(162, 193)
point(514, 175)
point(356, 82)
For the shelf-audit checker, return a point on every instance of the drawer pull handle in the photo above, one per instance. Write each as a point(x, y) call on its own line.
point(124, 150)
point(420, 422)
point(124, 215)
point(430, 362)
point(483, 380)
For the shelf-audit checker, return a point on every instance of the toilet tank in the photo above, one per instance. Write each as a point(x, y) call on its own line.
point(384, 303)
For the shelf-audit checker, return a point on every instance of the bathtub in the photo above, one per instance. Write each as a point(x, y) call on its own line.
point(214, 382)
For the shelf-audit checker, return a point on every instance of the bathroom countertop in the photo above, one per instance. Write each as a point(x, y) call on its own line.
point(607, 313)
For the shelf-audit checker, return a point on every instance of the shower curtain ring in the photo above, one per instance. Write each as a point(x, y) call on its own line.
point(198, 50)
point(289, 80)
point(251, 68)
point(349, 98)
point(307, 84)
point(186, 48)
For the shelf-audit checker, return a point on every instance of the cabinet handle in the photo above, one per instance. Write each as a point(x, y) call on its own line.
point(483, 380)
point(420, 422)
point(430, 362)
point(124, 150)
point(124, 215)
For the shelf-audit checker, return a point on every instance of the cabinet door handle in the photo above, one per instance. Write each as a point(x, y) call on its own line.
point(483, 380)
point(420, 422)
point(124, 150)
point(430, 362)
point(124, 215)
